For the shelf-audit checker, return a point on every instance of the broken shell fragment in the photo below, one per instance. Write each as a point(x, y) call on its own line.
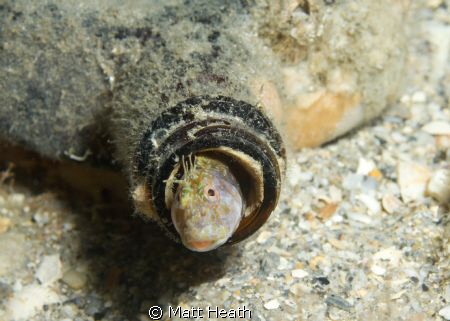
point(442, 142)
point(437, 128)
point(439, 186)
point(390, 203)
point(412, 179)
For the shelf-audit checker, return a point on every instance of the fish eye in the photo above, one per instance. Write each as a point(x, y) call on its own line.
point(211, 193)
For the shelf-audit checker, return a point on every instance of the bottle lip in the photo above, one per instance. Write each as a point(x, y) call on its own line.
point(202, 124)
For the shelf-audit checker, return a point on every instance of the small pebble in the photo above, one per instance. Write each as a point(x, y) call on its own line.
point(442, 142)
point(94, 305)
point(263, 237)
point(306, 176)
point(75, 279)
point(369, 183)
point(69, 310)
point(4, 224)
point(390, 203)
point(335, 194)
point(437, 128)
point(13, 252)
point(434, 3)
point(397, 295)
point(399, 138)
point(327, 211)
point(338, 302)
point(50, 269)
point(283, 264)
point(365, 166)
point(272, 304)
point(41, 218)
point(299, 273)
point(447, 293)
point(390, 254)
point(376, 173)
point(370, 202)
point(378, 270)
point(445, 312)
point(17, 198)
point(323, 280)
point(352, 181)
point(405, 99)
point(362, 218)
point(294, 175)
point(5, 291)
point(419, 97)
point(28, 301)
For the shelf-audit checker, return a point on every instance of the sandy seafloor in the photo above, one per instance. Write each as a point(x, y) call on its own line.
point(353, 237)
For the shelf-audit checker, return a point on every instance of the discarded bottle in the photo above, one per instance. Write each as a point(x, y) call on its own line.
point(189, 98)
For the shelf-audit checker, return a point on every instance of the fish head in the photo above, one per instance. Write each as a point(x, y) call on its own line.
point(208, 205)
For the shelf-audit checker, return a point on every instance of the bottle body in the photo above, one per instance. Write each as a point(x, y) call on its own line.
point(145, 85)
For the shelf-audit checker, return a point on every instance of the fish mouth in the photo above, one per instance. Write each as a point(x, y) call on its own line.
point(201, 245)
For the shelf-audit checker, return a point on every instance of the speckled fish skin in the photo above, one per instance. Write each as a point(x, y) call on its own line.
point(208, 205)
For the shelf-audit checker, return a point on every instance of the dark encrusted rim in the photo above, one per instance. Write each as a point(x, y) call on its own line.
point(228, 123)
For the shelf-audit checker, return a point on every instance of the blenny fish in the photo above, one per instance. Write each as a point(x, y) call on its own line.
point(208, 204)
